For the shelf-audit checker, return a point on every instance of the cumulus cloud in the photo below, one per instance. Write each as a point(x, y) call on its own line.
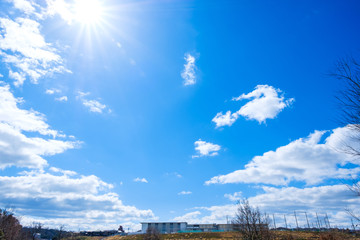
point(234, 197)
point(321, 200)
point(23, 5)
point(184, 193)
point(308, 160)
point(92, 104)
point(206, 148)
point(23, 47)
point(67, 198)
point(143, 180)
point(266, 102)
point(16, 149)
point(188, 74)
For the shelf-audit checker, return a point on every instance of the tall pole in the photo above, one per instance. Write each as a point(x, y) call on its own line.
point(307, 220)
point(328, 220)
point(352, 224)
point(274, 221)
point(297, 225)
point(318, 222)
point(285, 221)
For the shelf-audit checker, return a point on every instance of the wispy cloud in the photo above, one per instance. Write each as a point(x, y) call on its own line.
point(234, 197)
point(188, 74)
point(26, 52)
point(308, 160)
point(143, 180)
point(52, 91)
point(62, 99)
point(92, 104)
point(266, 102)
point(23, 5)
point(184, 193)
point(206, 149)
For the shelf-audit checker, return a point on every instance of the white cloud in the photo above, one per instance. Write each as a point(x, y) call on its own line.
point(175, 174)
point(190, 217)
point(23, 47)
point(206, 148)
point(18, 77)
point(62, 99)
point(234, 197)
point(143, 180)
point(23, 5)
point(92, 104)
point(266, 103)
point(309, 160)
point(52, 91)
point(330, 199)
point(60, 7)
point(188, 74)
point(67, 198)
point(16, 149)
point(184, 193)
point(226, 119)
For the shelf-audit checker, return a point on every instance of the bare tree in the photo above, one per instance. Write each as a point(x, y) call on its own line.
point(251, 223)
point(152, 234)
point(10, 228)
point(348, 72)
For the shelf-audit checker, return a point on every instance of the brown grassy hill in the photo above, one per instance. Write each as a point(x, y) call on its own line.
point(279, 235)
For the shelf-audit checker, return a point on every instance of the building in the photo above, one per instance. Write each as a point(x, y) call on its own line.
point(164, 227)
point(175, 227)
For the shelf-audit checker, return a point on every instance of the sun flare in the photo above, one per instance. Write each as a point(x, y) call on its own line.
point(88, 11)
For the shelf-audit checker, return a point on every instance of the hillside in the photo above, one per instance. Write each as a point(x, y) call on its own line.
point(279, 235)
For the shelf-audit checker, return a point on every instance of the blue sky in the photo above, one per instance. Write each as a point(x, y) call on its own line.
point(117, 112)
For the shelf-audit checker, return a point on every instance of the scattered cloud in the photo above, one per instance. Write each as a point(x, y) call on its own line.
point(330, 200)
point(92, 104)
point(188, 74)
point(188, 217)
point(143, 180)
point(266, 102)
point(23, 48)
point(308, 160)
point(62, 99)
point(175, 174)
point(234, 197)
point(184, 193)
point(67, 198)
point(206, 149)
point(17, 149)
point(52, 91)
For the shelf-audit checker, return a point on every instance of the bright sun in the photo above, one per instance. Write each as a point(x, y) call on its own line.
point(88, 11)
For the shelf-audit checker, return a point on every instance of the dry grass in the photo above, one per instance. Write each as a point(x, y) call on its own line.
point(280, 235)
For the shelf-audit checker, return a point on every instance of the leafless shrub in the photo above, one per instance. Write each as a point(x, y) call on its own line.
point(152, 234)
point(251, 223)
